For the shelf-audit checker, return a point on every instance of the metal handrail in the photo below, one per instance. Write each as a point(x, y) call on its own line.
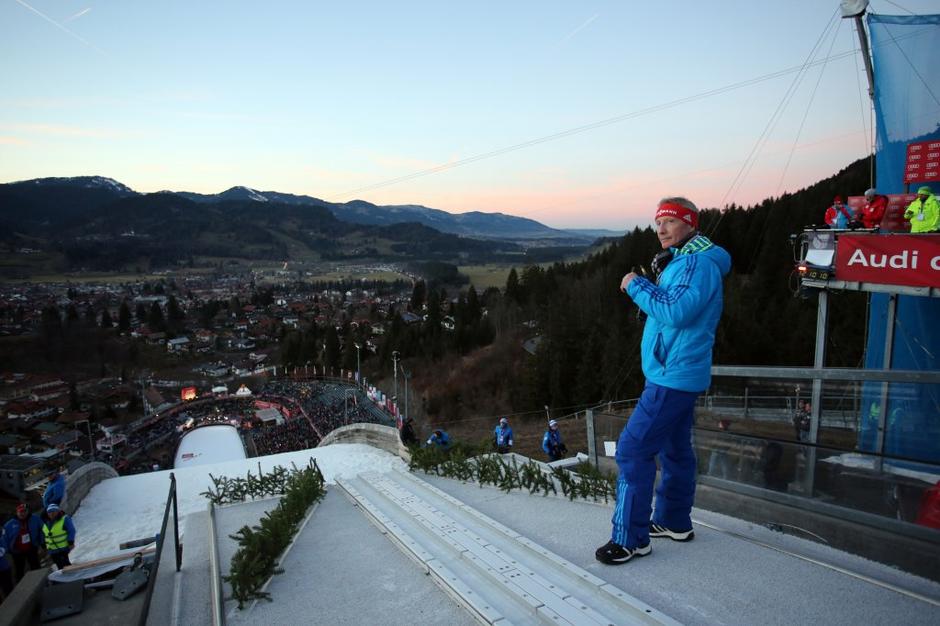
point(215, 573)
point(827, 373)
point(151, 583)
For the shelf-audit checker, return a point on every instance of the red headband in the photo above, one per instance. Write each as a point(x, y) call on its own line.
point(685, 214)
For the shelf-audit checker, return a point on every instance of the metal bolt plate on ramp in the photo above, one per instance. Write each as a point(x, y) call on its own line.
point(61, 600)
point(128, 583)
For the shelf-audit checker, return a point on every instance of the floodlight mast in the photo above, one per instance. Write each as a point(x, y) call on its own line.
point(855, 9)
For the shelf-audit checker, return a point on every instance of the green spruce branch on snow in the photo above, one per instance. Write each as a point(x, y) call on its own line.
point(261, 546)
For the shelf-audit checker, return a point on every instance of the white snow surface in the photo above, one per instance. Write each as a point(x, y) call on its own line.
point(131, 507)
point(209, 445)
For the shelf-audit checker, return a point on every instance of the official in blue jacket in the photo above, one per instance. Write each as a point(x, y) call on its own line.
point(502, 436)
point(551, 442)
point(55, 491)
point(440, 439)
point(682, 308)
point(22, 538)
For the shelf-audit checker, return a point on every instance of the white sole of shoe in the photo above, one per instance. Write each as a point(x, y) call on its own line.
point(665, 533)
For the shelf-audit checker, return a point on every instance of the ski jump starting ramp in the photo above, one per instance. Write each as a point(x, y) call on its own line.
point(497, 574)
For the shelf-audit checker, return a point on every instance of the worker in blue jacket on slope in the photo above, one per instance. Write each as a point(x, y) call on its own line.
point(502, 436)
point(551, 442)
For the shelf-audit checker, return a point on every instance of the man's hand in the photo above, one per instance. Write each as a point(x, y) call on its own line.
point(626, 281)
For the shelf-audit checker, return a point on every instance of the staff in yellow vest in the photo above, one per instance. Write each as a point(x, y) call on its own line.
point(58, 533)
point(924, 212)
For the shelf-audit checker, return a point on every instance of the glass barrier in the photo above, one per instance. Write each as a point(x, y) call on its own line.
point(895, 488)
point(849, 414)
point(900, 488)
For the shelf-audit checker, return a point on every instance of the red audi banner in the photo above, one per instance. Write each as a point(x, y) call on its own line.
point(912, 260)
point(923, 162)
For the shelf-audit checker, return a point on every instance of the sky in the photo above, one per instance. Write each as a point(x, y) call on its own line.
point(458, 106)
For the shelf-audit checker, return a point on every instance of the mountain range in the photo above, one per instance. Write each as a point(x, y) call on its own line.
point(97, 223)
point(83, 191)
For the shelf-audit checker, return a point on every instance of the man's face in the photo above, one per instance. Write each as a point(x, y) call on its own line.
point(671, 230)
point(22, 513)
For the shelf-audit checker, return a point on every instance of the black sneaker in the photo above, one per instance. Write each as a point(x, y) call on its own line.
point(614, 554)
point(658, 531)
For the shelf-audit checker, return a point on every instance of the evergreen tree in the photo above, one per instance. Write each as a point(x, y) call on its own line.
point(155, 319)
point(91, 316)
point(141, 313)
point(473, 306)
point(513, 289)
point(349, 350)
point(331, 352)
point(418, 295)
point(124, 317)
point(71, 315)
point(310, 347)
point(106, 319)
point(51, 323)
point(432, 333)
point(175, 316)
point(290, 349)
point(74, 403)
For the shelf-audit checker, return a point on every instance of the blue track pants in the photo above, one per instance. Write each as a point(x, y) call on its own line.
point(661, 424)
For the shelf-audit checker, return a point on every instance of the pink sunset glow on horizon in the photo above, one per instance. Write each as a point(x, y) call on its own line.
point(580, 119)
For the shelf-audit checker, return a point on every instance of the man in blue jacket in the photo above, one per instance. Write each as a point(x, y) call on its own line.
point(22, 539)
point(551, 442)
point(440, 439)
point(682, 308)
point(55, 490)
point(502, 436)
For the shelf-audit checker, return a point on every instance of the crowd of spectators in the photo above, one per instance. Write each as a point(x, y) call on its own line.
point(296, 434)
point(313, 409)
point(329, 405)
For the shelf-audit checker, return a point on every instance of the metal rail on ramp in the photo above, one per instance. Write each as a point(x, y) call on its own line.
point(500, 576)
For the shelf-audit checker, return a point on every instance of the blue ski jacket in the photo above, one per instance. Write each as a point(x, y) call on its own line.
point(54, 492)
point(11, 531)
point(551, 440)
point(503, 436)
point(442, 442)
point(683, 309)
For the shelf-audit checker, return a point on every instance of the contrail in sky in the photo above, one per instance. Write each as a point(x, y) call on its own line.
point(60, 26)
point(586, 23)
point(77, 15)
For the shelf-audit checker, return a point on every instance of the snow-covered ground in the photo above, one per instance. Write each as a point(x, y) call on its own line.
point(131, 507)
point(209, 445)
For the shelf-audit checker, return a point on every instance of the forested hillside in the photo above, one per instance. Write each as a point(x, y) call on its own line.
point(590, 335)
